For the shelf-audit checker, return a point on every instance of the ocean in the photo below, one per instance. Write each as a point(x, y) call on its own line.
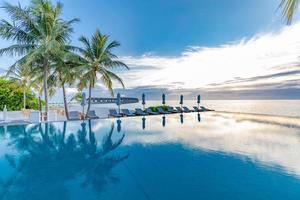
point(288, 108)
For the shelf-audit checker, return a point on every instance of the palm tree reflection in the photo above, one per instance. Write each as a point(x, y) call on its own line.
point(48, 159)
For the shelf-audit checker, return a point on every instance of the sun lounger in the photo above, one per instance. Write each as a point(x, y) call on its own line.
point(172, 110)
point(113, 113)
point(92, 115)
point(150, 112)
point(74, 115)
point(162, 111)
point(139, 111)
point(179, 109)
point(127, 113)
point(206, 109)
point(196, 109)
point(186, 109)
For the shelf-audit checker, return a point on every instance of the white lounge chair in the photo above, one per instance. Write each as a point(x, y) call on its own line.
point(206, 109)
point(179, 109)
point(171, 109)
point(196, 109)
point(113, 113)
point(186, 109)
point(127, 113)
point(139, 111)
point(92, 115)
point(162, 111)
point(74, 115)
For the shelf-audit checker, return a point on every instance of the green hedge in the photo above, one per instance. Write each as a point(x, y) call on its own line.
point(11, 95)
point(154, 108)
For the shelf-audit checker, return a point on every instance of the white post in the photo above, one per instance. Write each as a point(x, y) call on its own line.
point(4, 113)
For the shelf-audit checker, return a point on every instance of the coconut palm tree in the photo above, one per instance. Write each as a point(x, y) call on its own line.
point(65, 72)
point(22, 75)
point(289, 8)
point(98, 62)
point(39, 35)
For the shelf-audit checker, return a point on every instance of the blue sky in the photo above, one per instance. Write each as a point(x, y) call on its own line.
point(223, 49)
point(170, 26)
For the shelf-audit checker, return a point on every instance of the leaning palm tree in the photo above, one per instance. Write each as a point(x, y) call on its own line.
point(65, 72)
point(38, 33)
point(289, 8)
point(22, 75)
point(98, 62)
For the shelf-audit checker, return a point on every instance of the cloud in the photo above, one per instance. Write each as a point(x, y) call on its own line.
point(267, 59)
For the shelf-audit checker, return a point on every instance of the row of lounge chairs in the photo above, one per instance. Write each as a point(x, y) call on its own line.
point(75, 115)
point(148, 111)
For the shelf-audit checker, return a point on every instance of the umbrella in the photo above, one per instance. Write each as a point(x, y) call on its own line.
point(143, 100)
point(83, 101)
point(143, 123)
point(163, 99)
point(119, 125)
point(164, 121)
point(181, 100)
point(198, 100)
point(118, 101)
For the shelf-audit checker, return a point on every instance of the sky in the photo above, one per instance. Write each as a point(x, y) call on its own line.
point(229, 49)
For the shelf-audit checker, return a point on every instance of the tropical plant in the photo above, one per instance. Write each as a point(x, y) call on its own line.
point(39, 34)
point(22, 75)
point(289, 8)
point(11, 95)
point(99, 60)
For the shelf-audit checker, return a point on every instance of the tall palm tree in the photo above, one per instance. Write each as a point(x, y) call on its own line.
point(65, 72)
point(99, 60)
point(289, 8)
point(39, 35)
point(22, 75)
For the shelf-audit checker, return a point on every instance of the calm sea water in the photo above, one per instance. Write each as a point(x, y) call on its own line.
point(209, 156)
point(289, 108)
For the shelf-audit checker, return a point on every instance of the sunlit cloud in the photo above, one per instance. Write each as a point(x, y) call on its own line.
point(232, 66)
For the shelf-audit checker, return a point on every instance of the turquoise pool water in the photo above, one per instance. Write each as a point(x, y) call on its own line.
point(212, 156)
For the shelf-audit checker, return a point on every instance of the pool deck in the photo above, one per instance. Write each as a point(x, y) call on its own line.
point(18, 117)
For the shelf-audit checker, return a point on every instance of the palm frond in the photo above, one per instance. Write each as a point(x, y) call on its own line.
point(16, 50)
point(289, 7)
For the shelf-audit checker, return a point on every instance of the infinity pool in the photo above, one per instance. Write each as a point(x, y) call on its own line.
point(212, 156)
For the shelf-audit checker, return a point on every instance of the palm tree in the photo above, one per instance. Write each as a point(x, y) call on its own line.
point(22, 75)
point(289, 8)
point(99, 60)
point(65, 72)
point(39, 36)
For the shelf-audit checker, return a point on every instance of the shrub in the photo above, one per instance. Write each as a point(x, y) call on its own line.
point(154, 108)
point(11, 95)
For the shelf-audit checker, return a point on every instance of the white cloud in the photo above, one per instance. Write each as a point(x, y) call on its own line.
point(264, 54)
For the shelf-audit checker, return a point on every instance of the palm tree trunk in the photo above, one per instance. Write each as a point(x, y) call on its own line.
point(24, 97)
point(46, 88)
point(40, 106)
point(40, 103)
point(65, 101)
point(90, 96)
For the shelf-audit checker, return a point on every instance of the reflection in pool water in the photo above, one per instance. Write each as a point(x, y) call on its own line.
point(187, 156)
point(46, 158)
